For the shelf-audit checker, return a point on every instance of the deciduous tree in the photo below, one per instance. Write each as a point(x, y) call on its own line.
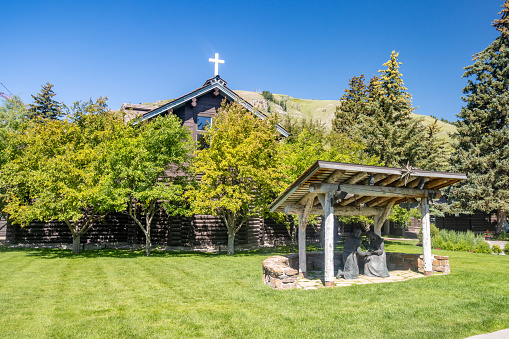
point(240, 168)
point(56, 170)
point(136, 166)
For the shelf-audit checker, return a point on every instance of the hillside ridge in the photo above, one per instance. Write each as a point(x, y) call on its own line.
point(323, 110)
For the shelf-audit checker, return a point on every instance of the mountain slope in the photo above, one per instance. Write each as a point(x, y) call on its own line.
point(322, 110)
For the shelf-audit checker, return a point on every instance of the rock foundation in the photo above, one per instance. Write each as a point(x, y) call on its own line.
point(281, 272)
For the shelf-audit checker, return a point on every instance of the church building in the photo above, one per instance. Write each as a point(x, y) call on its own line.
point(196, 109)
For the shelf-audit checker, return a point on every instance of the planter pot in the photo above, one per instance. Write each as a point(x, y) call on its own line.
point(487, 238)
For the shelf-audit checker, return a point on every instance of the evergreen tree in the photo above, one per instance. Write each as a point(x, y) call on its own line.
point(353, 105)
point(436, 151)
point(482, 141)
point(44, 105)
point(387, 129)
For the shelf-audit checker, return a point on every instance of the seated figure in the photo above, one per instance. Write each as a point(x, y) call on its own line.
point(350, 251)
point(376, 264)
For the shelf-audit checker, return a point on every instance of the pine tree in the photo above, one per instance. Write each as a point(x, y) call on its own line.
point(387, 129)
point(353, 105)
point(436, 151)
point(44, 105)
point(482, 141)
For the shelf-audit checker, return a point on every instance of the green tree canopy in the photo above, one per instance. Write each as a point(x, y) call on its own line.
point(56, 170)
point(240, 169)
point(136, 164)
point(44, 106)
point(482, 141)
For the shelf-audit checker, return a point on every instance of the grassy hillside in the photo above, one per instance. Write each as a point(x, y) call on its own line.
point(322, 110)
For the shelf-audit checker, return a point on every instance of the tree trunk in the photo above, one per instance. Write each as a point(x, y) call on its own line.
point(76, 244)
point(501, 221)
point(231, 243)
point(148, 243)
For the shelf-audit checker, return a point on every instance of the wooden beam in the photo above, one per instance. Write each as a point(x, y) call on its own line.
point(389, 180)
point(435, 183)
point(338, 210)
point(334, 176)
point(304, 199)
point(383, 182)
point(377, 177)
point(356, 178)
point(374, 191)
point(380, 219)
point(377, 201)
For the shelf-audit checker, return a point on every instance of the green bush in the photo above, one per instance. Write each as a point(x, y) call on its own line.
point(438, 242)
point(502, 236)
point(464, 245)
point(482, 247)
point(507, 248)
point(496, 249)
point(449, 245)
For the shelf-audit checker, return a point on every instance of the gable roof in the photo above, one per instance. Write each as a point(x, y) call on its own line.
point(338, 173)
point(209, 85)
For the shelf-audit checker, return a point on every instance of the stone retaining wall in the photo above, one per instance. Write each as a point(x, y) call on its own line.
point(278, 274)
point(281, 272)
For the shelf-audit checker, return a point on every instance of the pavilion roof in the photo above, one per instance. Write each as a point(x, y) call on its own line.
point(366, 178)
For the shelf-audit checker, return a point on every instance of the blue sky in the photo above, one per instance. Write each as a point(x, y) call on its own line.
point(144, 51)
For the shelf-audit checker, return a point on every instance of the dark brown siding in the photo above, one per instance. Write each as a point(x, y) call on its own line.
point(478, 222)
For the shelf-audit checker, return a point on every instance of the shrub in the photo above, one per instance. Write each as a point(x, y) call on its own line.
point(482, 247)
point(502, 236)
point(449, 245)
point(464, 245)
point(507, 248)
point(496, 249)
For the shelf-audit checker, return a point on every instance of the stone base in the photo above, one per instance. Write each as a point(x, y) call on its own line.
point(282, 272)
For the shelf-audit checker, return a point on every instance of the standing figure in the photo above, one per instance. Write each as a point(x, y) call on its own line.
point(350, 251)
point(376, 264)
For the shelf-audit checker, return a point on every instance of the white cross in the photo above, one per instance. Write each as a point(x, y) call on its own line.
point(217, 62)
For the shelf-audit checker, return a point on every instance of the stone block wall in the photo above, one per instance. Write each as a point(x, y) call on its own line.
point(278, 274)
point(405, 261)
point(281, 272)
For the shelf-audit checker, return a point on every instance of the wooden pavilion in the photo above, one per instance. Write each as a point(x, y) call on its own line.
point(351, 189)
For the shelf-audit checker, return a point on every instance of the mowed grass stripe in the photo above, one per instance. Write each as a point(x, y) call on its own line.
point(123, 294)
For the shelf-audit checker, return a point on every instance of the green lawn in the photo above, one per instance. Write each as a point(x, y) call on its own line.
point(51, 293)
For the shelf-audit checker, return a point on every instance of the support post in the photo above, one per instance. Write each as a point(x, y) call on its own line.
point(380, 218)
point(303, 220)
point(387, 227)
point(377, 225)
point(426, 238)
point(329, 239)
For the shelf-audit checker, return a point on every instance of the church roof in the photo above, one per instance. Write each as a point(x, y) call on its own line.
point(209, 85)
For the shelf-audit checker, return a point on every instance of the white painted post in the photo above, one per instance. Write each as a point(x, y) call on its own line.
point(302, 246)
point(426, 238)
point(329, 239)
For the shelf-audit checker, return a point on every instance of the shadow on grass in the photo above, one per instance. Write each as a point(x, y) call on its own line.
point(57, 253)
point(53, 253)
